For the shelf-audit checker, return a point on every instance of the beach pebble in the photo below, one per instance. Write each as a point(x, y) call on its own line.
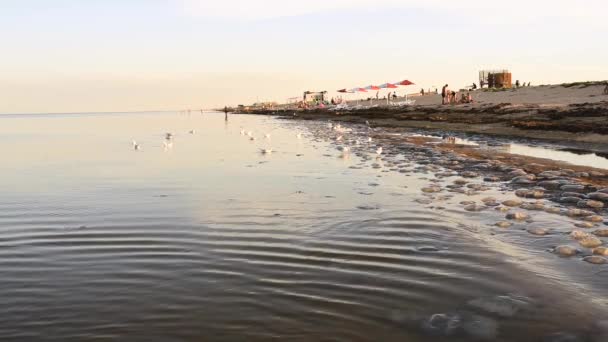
point(595, 259)
point(573, 188)
point(590, 204)
point(598, 196)
point(578, 213)
point(467, 202)
point(431, 189)
point(601, 233)
point(573, 194)
point(579, 234)
point(565, 251)
point(491, 179)
point(512, 203)
point(523, 180)
point(517, 216)
point(594, 218)
point(538, 231)
point(569, 200)
point(550, 174)
point(461, 182)
point(553, 210)
point(532, 206)
point(503, 224)
point(469, 174)
point(550, 185)
point(603, 251)
point(590, 242)
point(474, 207)
point(517, 173)
point(586, 225)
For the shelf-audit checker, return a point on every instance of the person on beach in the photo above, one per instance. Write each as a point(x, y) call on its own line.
point(481, 83)
point(422, 92)
point(517, 84)
point(394, 94)
point(226, 112)
point(453, 97)
point(474, 86)
point(444, 93)
point(606, 89)
point(377, 94)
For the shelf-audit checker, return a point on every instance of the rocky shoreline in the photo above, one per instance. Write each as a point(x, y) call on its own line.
point(530, 185)
point(576, 123)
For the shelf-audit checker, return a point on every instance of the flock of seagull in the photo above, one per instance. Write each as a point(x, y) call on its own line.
point(337, 128)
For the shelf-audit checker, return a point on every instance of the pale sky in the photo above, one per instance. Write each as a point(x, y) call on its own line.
point(130, 55)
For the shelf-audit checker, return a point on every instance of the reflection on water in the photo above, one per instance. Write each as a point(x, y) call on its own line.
point(213, 240)
point(580, 158)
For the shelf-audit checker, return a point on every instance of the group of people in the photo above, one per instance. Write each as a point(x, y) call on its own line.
point(451, 97)
point(517, 84)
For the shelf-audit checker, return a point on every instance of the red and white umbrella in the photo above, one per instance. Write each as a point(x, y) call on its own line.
point(405, 83)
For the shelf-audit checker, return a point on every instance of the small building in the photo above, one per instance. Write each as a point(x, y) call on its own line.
point(314, 96)
point(495, 78)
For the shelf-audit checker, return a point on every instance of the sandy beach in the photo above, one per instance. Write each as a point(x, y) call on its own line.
point(575, 114)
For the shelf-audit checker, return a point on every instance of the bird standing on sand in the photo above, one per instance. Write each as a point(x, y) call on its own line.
point(379, 151)
point(136, 146)
point(242, 131)
point(299, 135)
point(267, 135)
point(266, 150)
point(192, 132)
point(168, 136)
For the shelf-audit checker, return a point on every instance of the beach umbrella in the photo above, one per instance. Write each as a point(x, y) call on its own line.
point(372, 87)
point(405, 83)
point(346, 91)
point(388, 86)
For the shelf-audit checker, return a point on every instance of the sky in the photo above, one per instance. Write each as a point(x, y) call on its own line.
point(138, 55)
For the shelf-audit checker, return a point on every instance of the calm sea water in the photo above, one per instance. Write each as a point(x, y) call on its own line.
point(211, 240)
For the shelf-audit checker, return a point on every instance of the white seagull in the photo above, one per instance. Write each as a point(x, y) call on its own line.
point(242, 131)
point(379, 151)
point(266, 150)
point(299, 135)
point(192, 132)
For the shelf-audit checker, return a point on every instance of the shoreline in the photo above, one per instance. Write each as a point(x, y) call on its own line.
point(548, 114)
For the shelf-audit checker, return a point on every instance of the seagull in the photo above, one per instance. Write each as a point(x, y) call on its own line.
point(299, 135)
point(379, 151)
point(252, 138)
point(167, 145)
point(250, 134)
point(369, 139)
point(266, 150)
point(136, 146)
point(168, 136)
point(192, 132)
point(267, 135)
point(242, 131)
